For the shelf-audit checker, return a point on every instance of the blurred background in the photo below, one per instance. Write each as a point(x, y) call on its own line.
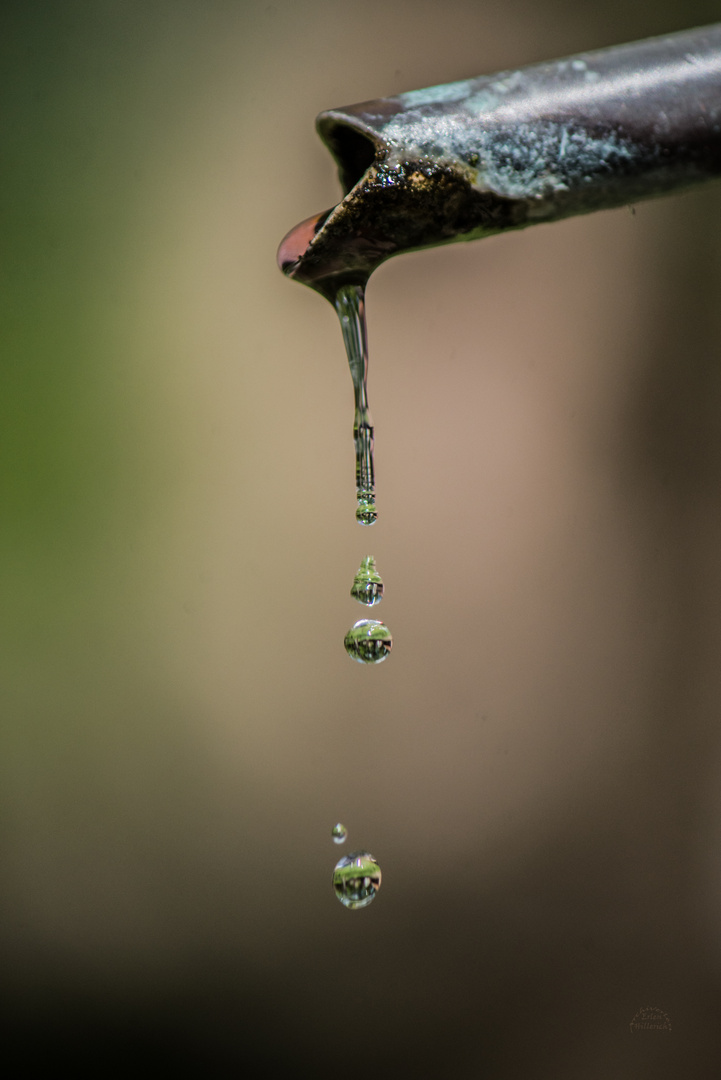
point(537, 767)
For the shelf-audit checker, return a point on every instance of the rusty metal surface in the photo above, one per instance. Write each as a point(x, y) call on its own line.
point(504, 151)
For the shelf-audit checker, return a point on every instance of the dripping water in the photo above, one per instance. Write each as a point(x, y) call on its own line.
point(341, 280)
point(357, 876)
point(350, 304)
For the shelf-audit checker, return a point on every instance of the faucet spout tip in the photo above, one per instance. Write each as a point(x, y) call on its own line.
point(294, 244)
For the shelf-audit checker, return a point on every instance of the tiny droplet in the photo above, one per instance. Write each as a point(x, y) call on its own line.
point(366, 513)
point(356, 879)
point(367, 584)
point(368, 641)
point(339, 833)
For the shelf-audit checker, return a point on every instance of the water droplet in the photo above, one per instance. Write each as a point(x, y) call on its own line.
point(366, 513)
point(339, 833)
point(368, 641)
point(356, 879)
point(367, 584)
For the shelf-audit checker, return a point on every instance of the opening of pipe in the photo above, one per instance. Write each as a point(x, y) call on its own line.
point(354, 151)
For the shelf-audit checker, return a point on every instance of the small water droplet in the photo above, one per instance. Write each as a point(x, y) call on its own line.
point(367, 584)
point(366, 513)
point(368, 641)
point(339, 833)
point(356, 879)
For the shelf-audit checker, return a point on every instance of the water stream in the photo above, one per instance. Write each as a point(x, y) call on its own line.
point(350, 306)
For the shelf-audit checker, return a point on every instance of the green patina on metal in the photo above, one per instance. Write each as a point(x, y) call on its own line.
point(482, 156)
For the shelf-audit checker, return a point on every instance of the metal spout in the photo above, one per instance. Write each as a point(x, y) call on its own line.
point(479, 157)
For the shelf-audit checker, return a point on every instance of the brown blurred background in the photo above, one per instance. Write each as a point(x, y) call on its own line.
point(536, 767)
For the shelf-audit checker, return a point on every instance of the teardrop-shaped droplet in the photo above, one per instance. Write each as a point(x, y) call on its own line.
point(368, 641)
point(339, 833)
point(367, 584)
point(356, 879)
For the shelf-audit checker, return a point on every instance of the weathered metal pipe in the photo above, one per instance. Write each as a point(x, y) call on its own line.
point(478, 157)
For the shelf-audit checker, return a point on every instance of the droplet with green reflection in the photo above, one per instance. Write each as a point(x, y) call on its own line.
point(366, 513)
point(368, 641)
point(367, 584)
point(356, 879)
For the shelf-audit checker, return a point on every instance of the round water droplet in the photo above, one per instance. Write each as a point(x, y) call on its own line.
point(367, 584)
point(339, 833)
point(368, 641)
point(366, 513)
point(356, 879)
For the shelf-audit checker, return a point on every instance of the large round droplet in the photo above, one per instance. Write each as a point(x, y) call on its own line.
point(368, 641)
point(367, 584)
point(339, 833)
point(356, 879)
point(366, 513)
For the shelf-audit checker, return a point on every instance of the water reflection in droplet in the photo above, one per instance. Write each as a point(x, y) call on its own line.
point(367, 585)
point(366, 513)
point(368, 641)
point(356, 879)
point(339, 833)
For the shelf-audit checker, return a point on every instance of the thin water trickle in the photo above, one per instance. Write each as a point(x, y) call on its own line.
point(342, 282)
point(350, 306)
point(367, 585)
point(356, 879)
point(339, 833)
